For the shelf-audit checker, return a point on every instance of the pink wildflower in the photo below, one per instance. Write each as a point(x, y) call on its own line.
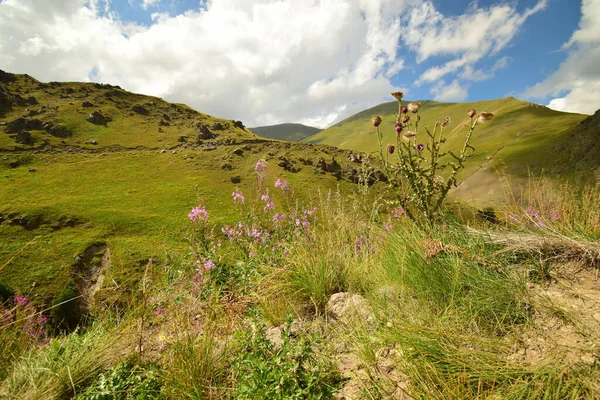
point(21, 300)
point(554, 216)
point(198, 214)
point(398, 212)
point(209, 265)
point(260, 166)
point(281, 184)
point(238, 197)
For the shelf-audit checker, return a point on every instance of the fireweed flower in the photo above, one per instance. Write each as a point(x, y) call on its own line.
point(414, 107)
point(198, 214)
point(208, 265)
point(21, 300)
point(388, 225)
point(281, 184)
point(159, 311)
point(269, 206)
point(398, 212)
point(278, 217)
point(260, 166)
point(554, 216)
point(376, 120)
point(238, 197)
point(265, 197)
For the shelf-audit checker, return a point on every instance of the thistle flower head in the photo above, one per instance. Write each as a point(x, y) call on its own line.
point(391, 148)
point(398, 128)
point(414, 107)
point(409, 134)
point(420, 147)
point(446, 122)
point(376, 120)
point(398, 95)
point(484, 116)
point(404, 110)
point(472, 113)
point(405, 119)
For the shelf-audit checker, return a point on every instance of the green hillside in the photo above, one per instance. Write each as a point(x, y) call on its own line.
point(85, 163)
point(287, 132)
point(522, 138)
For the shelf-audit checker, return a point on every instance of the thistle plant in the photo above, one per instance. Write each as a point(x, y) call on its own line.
point(420, 173)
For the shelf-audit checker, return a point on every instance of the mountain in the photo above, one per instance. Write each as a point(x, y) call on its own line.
point(287, 132)
point(522, 138)
point(88, 166)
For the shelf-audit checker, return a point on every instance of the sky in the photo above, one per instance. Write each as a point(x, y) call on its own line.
point(312, 61)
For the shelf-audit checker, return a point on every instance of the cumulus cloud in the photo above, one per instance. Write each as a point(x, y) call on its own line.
point(263, 61)
point(576, 84)
point(467, 38)
point(451, 92)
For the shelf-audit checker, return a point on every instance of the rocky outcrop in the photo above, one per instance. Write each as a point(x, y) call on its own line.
point(97, 118)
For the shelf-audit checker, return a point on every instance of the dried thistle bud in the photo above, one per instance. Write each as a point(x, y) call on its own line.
point(376, 120)
point(472, 113)
point(398, 128)
point(446, 122)
point(391, 148)
point(420, 147)
point(414, 107)
point(484, 116)
point(404, 110)
point(398, 95)
point(406, 119)
point(409, 134)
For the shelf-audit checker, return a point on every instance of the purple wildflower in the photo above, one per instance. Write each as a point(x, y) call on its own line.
point(260, 166)
point(281, 184)
point(198, 214)
point(398, 212)
point(554, 216)
point(21, 300)
point(159, 311)
point(238, 197)
point(209, 265)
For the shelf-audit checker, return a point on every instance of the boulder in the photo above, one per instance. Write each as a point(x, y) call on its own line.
point(24, 137)
point(182, 139)
point(140, 110)
point(21, 124)
point(236, 179)
point(97, 118)
point(205, 133)
point(87, 104)
point(345, 306)
point(32, 101)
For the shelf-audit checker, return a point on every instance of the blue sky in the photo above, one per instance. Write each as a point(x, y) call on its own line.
point(251, 60)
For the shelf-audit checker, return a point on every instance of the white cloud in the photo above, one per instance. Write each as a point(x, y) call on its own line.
point(263, 61)
point(469, 38)
point(576, 83)
point(452, 92)
point(149, 3)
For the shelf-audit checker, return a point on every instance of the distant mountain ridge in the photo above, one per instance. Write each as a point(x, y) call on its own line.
point(289, 132)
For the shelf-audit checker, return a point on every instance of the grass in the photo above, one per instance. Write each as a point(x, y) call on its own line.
point(194, 310)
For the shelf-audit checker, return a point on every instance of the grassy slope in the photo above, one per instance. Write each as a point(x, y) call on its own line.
point(522, 136)
point(288, 132)
point(126, 190)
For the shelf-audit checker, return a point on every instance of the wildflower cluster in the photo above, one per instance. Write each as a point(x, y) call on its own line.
point(417, 173)
point(534, 218)
point(24, 321)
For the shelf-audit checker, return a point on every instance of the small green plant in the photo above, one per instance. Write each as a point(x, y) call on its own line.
point(125, 382)
point(292, 371)
point(418, 177)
